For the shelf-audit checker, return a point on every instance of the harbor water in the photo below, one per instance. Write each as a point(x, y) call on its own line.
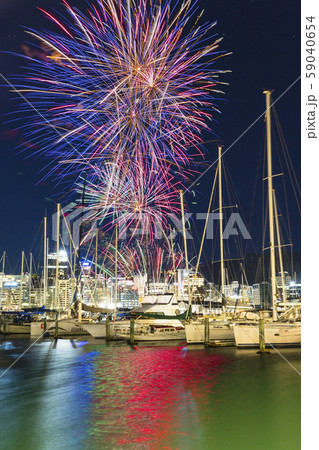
point(88, 394)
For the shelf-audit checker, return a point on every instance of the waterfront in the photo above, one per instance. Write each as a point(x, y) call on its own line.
point(74, 394)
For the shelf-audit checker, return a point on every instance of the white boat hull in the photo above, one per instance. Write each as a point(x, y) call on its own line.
point(12, 328)
point(65, 327)
point(195, 332)
point(98, 330)
point(276, 334)
point(117, 329)
point(159, 334)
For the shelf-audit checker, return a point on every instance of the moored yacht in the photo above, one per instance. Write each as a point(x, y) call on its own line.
point(149, 332)
point(155, 310)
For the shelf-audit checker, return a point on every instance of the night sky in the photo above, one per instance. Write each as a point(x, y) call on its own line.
point(264, 36)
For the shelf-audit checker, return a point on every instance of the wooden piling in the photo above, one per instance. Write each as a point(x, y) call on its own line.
point(4, 327)
point(107, 329)
point(262, 345)
point(56, 330)
point(131, 331)
point(206, 331)
point(44, 325)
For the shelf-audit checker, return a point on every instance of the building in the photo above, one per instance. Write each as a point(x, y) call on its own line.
point(287, 281)
point(261, 295)
point(63, 267)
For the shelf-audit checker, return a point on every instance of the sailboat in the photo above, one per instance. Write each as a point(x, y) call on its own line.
point(219, 330)
point(277, 333)
point(66, 326)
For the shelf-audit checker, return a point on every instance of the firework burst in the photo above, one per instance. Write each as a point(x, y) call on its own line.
point(140, 199)
point(161, 263)
point(128, 82)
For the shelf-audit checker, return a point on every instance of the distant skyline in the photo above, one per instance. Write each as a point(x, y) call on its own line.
point(264, 37)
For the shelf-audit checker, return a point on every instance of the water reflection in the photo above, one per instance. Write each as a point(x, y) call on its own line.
point(140, 397)
point(89, 395)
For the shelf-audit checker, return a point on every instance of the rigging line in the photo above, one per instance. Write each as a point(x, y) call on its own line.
point(282, 222)
point(84, 278)
point(8, 263)
point(17, 265)
point(259, 165)
point(22, 354)
point(285, 148)
point(283, 173)
point(111, 247)
point(72, 274)
point(85, 282)
point(287, 212)
point(241, 248)
point(282, 170)
point(259, 271)
point(246, 130)
point(284, 250)
point(274, 348)
point(69, 231)
point(38, 267)
point(205, 258)
point(38, 232)
point(203, 236)
point(189, 229)
point(290, 168)
point(230, 188)
point(194, 247)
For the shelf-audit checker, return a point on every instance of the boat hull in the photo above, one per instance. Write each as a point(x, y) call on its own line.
point(98, 330)
point(12, 328)
point(195, 332)
point(117, 329)
point(276, 335)
point(144, 334)
point(66, 327)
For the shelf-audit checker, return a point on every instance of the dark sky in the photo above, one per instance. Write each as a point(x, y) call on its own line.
point(264, 36)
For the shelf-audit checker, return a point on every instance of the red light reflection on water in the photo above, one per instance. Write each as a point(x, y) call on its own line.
point(153, 394)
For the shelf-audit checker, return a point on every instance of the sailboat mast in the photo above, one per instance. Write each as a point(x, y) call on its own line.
point(56, 296)
point(30, 279)
point(2, 281)
point(185, 243)
point(45, 251)
point(282, 275)
point(96, 268)
point(21, 281)
point(115, 272)
point(173, 258)
point(221, 221)
point(271, 206)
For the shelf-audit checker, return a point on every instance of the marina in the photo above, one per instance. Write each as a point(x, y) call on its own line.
point(151, 292)
point(166, 309)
